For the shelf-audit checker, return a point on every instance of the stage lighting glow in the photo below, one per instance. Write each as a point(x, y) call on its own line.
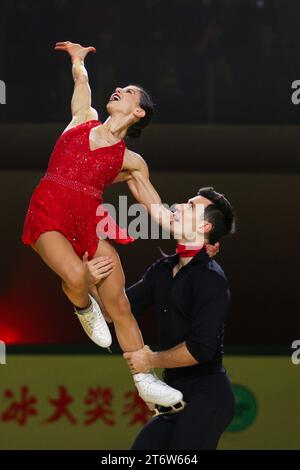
point(10, 336)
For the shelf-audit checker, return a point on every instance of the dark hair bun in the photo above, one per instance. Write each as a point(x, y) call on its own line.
point(147, 105)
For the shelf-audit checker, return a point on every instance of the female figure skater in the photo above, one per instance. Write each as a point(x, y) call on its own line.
point(61, 221)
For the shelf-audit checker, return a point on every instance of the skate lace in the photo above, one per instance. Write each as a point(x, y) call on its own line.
point(93, 322)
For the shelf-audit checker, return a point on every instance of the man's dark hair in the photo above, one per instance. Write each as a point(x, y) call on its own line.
point(220, 214)
point(147, 105)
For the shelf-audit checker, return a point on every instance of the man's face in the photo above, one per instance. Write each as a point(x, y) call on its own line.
point(126, 101)
point(188, 220)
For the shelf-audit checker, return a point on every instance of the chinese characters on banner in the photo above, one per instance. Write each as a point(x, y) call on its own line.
point(22, 405)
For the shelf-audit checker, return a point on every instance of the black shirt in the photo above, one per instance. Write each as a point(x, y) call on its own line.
point(190, 307)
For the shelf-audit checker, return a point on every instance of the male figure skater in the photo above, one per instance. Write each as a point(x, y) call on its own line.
point(190, 295)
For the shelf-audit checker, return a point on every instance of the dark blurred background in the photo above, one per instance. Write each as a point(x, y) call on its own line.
point(220, 73)
point(204, 61)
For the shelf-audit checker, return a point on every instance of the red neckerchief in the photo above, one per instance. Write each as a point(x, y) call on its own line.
point(187, 252)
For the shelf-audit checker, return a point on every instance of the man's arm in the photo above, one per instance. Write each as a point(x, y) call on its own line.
point(200, 346)
point(144, 359)
point(179, 356)
point(81, 107)
point(212, 301)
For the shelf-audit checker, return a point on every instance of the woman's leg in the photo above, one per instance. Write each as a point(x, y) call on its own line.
point(112, 293)
point(58, 253)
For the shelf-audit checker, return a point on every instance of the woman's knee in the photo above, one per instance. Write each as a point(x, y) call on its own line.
point(75, 277)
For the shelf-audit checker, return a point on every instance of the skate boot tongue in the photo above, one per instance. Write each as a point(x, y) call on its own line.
point(141, 376)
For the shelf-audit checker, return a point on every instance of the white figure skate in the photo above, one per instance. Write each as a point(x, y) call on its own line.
point(94, 324)
point(160, 397)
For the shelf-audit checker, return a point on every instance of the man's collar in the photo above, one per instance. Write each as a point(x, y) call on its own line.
point(201, 257)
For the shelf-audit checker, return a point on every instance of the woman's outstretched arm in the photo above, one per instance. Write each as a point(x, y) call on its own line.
point(136, 174)
point(81, 104)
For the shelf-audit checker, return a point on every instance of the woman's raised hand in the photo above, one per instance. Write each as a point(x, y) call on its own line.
point(76, 51)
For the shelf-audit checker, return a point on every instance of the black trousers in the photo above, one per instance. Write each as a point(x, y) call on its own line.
point(199, 426)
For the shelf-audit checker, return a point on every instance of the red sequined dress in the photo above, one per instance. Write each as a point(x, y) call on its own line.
point(69, 196)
